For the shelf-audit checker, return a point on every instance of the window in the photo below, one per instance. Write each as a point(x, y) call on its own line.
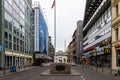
point(10, 26)
point(6, 35)
point(20, 49)
point(118, 57)
point(5, 23)
point(109, 12)
point(116, 10)
point(10, 45)
point(6, 44)
point(14, 39)
point(17, 47)
point(10, 37)
point(14, 46)
point(18, 33)
point(18, 41)
point(116, 33)
point(7, 6)
point(21, 42)
point(14, 30)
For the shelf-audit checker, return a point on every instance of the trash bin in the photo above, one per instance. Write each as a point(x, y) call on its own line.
point(13, 69)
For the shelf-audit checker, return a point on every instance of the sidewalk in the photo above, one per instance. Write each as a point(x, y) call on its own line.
point(103, 70)
point(7, 71)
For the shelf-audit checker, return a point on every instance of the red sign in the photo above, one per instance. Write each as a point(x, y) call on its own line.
point(117, 46)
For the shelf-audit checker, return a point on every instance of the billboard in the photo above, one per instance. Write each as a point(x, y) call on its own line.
point(43, 35)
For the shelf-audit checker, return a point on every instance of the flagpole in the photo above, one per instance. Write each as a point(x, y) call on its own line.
point(55, 26)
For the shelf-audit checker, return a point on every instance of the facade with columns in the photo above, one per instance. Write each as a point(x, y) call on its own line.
point(115, 34)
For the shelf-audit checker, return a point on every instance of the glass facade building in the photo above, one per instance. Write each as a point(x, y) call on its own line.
point(97, 33)
point(15, 32)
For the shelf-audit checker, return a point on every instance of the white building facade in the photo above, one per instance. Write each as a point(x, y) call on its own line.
point(60, 57)
point(36, 25)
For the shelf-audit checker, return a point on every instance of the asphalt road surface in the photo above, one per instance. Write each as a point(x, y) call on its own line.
point(90, 74)
point(34, 74)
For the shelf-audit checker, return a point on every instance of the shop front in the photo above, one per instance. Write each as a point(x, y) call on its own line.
point(17, 59)
point(116, 56)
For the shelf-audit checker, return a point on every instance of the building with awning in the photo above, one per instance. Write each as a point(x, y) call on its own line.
point(97, 31)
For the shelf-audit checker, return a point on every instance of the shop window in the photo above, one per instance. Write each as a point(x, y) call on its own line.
point(118, 57)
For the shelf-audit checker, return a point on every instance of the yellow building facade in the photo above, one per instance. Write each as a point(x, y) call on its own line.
point(115, 34)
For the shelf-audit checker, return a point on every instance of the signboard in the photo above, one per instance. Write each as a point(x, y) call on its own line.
point(1, 48)
point(39, 55)
point(107, 50)
point(94, 54)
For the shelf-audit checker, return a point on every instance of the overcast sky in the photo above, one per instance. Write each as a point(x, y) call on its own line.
point(68, 12)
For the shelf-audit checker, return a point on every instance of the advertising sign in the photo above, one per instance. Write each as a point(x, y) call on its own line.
point(107, 50)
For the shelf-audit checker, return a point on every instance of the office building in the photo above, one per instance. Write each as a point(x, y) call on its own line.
point(15, 24)
point(97, 33)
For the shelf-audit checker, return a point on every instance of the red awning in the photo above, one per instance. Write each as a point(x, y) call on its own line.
point(89, 49)
point(117, 46)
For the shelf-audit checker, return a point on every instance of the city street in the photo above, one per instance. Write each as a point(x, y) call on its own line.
point(34, 74)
